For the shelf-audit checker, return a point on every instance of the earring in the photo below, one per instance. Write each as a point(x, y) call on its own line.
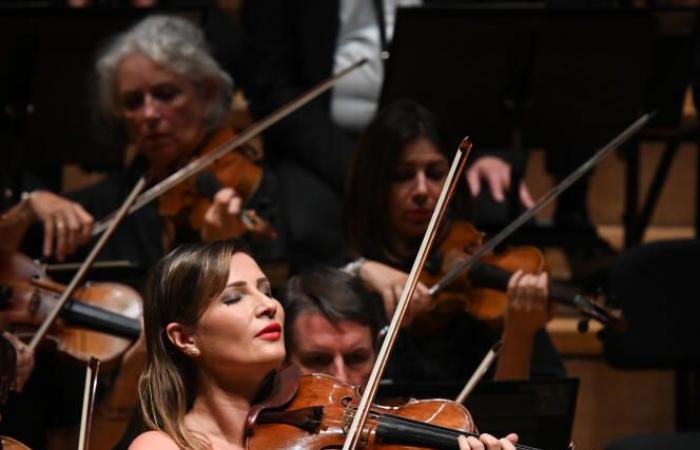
point(193, 352)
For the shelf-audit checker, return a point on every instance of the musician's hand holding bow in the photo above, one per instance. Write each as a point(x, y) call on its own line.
point(223, 218)
point(66, 224)
point(389, 283)
point(488, 442)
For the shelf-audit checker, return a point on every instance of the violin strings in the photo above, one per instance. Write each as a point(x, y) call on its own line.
point(444, 435)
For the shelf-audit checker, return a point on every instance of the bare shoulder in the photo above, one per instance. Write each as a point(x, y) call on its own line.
point(153, 440)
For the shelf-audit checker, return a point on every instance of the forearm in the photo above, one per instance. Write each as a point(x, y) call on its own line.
point(516, 354)
point(113, 413)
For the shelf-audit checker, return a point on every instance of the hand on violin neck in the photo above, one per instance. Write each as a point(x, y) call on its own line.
point(67, 225)
point(497, 174)
point(528, 304)
point(389, 283)
point(527, 312)
point(223, 218)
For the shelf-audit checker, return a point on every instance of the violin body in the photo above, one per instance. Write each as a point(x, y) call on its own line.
point(485, 304)
point(28, 295)
point(7, 443)
point(188, 201)
point(321, 409)
point(481, 290)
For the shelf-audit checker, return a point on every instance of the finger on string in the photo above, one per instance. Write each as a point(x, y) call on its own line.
point(475, 443)
point(513, 281)
point(490, 442)
point(211, 215)
point(543, 283)
point(463, 443)
point(234, 206)
point(506, 444)
point(223, 196)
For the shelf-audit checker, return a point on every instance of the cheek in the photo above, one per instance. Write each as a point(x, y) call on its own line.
point(223, 334)
point(434, 187)
point(396, 202)
point(133, 121)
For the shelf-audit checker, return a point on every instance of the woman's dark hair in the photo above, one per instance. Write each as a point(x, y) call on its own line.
point(367, 229)
point(332, 293)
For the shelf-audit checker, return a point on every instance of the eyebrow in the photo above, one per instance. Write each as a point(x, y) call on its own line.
point(258, 282)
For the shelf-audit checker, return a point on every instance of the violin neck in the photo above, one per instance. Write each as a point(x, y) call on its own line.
point(397, 430)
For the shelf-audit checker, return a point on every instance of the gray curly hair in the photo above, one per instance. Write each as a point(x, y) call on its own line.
point(172, 42)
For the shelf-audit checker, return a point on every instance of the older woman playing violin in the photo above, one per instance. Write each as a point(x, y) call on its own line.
point(159, 83)
point(398, 171)
point(214, 334)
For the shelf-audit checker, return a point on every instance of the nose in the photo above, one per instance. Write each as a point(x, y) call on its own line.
point(420, 189)
point(151, 108)
point(267, 306)
point(339, 370)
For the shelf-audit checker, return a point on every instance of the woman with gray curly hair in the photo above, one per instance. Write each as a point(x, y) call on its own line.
point(159, 80)
point(171, 44)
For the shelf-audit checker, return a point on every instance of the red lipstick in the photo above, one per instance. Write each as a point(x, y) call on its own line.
point(271, 332)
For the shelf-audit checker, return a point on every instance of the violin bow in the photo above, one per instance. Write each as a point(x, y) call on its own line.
point(78, 277)
point(197, 165)
point(491, 244)
point(480, 371)
point(354, 432)
point(93, 367)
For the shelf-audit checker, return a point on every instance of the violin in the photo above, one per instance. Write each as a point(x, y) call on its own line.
point(101, 319)
point(7, 443)
point(8, 367)
point(481, 290)
point(313, 411)
point(247, 183)
point(189, 200)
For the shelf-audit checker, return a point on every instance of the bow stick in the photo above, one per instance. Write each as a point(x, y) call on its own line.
point(78, 277)
point(456, 271)
point(360, 417)
point(197, 165)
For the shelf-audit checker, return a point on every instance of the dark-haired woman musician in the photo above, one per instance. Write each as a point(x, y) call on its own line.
point(398, 171)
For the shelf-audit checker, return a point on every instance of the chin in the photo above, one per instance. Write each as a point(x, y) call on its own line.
point(272, 357)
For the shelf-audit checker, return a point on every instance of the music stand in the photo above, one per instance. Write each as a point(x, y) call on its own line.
point(540, 411)
point(57, 105)
point(489, 71)
point(567, 80)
